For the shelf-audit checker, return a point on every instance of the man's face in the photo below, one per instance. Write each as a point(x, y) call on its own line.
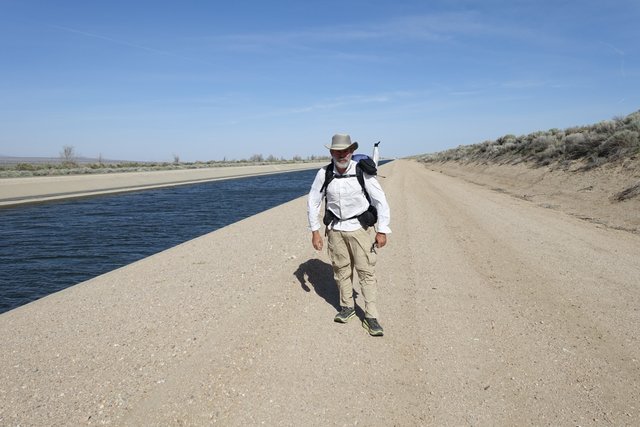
point(342, 157)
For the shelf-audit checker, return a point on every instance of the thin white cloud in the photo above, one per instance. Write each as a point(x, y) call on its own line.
point(325, 105)
point(332, 104)
point(523, 84)
point(620, 53)
point(120, 42)
point(435, 28)
point(110, 39)
point(463, 93)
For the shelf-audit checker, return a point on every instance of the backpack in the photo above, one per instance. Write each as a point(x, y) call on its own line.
point(364, 165)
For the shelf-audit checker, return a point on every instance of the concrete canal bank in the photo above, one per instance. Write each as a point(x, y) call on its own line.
point(14, 191)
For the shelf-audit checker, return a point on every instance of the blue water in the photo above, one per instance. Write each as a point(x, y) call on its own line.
point(48, 247)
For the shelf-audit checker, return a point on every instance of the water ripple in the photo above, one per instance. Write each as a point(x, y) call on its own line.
point(48, 247)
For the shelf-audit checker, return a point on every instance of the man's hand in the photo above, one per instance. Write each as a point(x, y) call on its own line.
point(381, 239)
point(316, 240)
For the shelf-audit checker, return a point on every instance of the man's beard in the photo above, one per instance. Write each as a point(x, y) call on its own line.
point(344, 163)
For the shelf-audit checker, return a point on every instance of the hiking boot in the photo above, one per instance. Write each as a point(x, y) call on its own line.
point(345, 314)
point(372, 326)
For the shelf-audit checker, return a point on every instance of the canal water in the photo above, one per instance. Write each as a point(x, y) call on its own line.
point(50, 246)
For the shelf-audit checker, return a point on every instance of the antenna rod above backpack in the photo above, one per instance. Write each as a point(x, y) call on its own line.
point(376, 153)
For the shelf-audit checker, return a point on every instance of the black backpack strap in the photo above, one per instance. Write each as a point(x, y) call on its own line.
point(369, 217)
point(360, 176)
point(329, 217)
point(328, 176)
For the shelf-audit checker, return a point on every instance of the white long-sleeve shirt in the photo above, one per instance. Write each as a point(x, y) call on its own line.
point(346, 199)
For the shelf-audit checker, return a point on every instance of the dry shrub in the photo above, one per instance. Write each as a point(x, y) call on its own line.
point(541, 143)
point(580, 145)
point(25, 167)
point(591, 146)
point(621, 143)
point(631, 192)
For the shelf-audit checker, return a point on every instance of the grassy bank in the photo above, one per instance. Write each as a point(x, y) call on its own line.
point(580, 147)
point(591, 172)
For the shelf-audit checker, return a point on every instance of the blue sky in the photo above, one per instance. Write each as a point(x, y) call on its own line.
point(208, 80)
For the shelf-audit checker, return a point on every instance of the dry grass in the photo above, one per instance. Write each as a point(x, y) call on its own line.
point(591, 146)
point(596, 167)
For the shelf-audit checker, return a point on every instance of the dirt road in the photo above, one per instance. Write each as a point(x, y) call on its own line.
point(496, 312)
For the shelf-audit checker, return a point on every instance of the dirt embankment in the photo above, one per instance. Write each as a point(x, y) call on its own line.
point(608, 195)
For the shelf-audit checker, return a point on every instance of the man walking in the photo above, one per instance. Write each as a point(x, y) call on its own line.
point(351, 244)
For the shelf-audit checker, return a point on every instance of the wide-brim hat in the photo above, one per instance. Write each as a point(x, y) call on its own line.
point(341, 141)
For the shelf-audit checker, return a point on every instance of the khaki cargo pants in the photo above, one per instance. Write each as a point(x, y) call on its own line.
point(351, 250)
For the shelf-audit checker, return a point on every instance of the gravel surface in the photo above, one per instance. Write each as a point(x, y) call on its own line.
point(496, 311)
point(607, 195)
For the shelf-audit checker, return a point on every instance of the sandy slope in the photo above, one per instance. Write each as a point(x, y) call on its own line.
point(496, 312)
point(590, 195)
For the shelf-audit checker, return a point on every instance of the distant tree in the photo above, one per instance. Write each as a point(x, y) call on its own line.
point(68, 155)
point(256, 158)
point(176, 159)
